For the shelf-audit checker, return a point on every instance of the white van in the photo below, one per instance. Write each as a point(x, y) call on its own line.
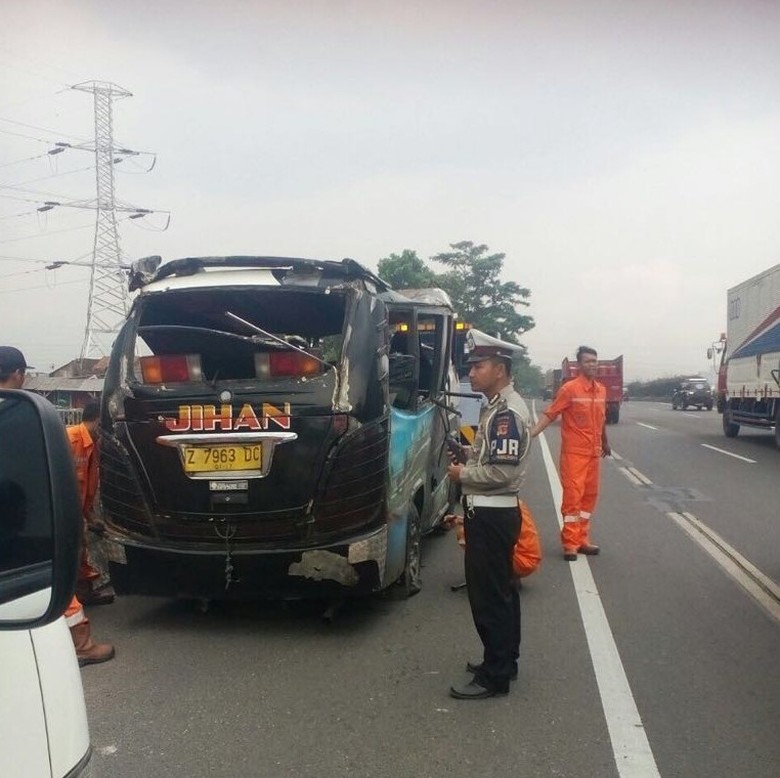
point(43, 719)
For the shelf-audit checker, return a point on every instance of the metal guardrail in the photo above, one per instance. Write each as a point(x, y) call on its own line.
point(70, 416)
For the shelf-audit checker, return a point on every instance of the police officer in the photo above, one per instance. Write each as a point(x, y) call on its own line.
point(490, 480)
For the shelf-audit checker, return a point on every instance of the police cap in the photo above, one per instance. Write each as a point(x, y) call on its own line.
point(480, 347)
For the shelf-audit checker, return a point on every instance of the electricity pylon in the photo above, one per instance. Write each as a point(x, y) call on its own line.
point(108, 295)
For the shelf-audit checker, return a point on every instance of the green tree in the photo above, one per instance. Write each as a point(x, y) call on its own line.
point(528, 378)
point(473, 280)
point(406, 271)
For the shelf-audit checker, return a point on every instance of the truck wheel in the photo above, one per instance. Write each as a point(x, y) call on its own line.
point(730, 429)
point(709, 407)
point(411, 580)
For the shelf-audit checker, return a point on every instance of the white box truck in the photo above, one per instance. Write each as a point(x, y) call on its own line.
point(749, 377)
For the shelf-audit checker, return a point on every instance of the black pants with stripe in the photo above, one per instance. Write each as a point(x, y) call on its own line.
point(495, 602)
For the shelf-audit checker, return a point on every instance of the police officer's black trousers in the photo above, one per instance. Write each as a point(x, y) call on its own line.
point(495, 603)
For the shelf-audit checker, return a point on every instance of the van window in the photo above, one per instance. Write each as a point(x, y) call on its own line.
point(402, 352)
point(433, 333)
point(195, 336)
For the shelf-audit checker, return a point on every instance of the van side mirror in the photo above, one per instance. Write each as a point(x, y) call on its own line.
point(40, 516)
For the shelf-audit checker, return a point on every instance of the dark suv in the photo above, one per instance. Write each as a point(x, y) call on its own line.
point(693, 391)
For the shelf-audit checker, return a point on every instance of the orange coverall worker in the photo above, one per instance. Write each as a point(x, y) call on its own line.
point(86, 461)
point(582, 404)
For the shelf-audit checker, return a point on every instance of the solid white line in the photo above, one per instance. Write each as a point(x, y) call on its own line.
point(643, 478)
point(630, 746)
point(649, 426)
point(631, 477)
point(759, 586)
point(728, 453)
point(751, 569)
point(615, 455)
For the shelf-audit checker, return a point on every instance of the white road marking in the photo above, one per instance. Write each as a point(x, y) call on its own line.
point(649, 426)
point(615, 455)
point(631, 477)
point(642, 478)
point(630, 746)
point(759, 586)
point(729, 453)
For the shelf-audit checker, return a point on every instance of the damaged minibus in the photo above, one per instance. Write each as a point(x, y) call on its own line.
point(274, 427)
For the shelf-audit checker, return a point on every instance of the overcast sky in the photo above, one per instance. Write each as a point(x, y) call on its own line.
point(624, 155)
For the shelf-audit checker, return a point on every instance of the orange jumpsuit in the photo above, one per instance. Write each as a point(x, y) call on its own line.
point(85, 459)
point(582, 405)
point(74, 613)
point(86, 462)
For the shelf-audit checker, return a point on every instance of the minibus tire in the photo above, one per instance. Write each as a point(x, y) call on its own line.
point(411, 581)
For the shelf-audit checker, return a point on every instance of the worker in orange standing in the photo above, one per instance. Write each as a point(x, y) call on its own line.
point(13, 367)
point(85, 457)
point(582, 404)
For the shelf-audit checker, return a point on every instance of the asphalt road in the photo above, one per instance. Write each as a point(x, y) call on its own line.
point(664, 662)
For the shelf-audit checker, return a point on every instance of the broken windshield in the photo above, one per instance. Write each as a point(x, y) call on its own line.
point(210, 334)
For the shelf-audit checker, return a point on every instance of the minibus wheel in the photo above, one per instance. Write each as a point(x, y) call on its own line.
point(411, 580)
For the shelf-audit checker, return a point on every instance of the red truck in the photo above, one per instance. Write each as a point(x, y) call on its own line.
point(609, 373)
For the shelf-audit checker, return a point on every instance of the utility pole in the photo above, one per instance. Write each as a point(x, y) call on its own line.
point(108, 295)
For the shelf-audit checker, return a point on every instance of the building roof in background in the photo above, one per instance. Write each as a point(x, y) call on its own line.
point(42, 383)
point(82, 368)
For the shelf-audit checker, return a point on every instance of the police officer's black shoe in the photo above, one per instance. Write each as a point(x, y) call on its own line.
point(570, 557)
point(476, 667)
point(473, 690)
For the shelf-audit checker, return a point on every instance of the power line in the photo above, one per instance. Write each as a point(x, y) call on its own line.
point(44, 286)
point(51, 265)
point(17, 215)
point(29, 137)
point(43, 212)
point(44, 178)
point(18, 199)
point(8, 258)
point(58, 232)
point(59, 197)
point(75, 261)
point(26, 159)
point(47, 234)
point(33, 191)
point(48, 206)
point(58, 133)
